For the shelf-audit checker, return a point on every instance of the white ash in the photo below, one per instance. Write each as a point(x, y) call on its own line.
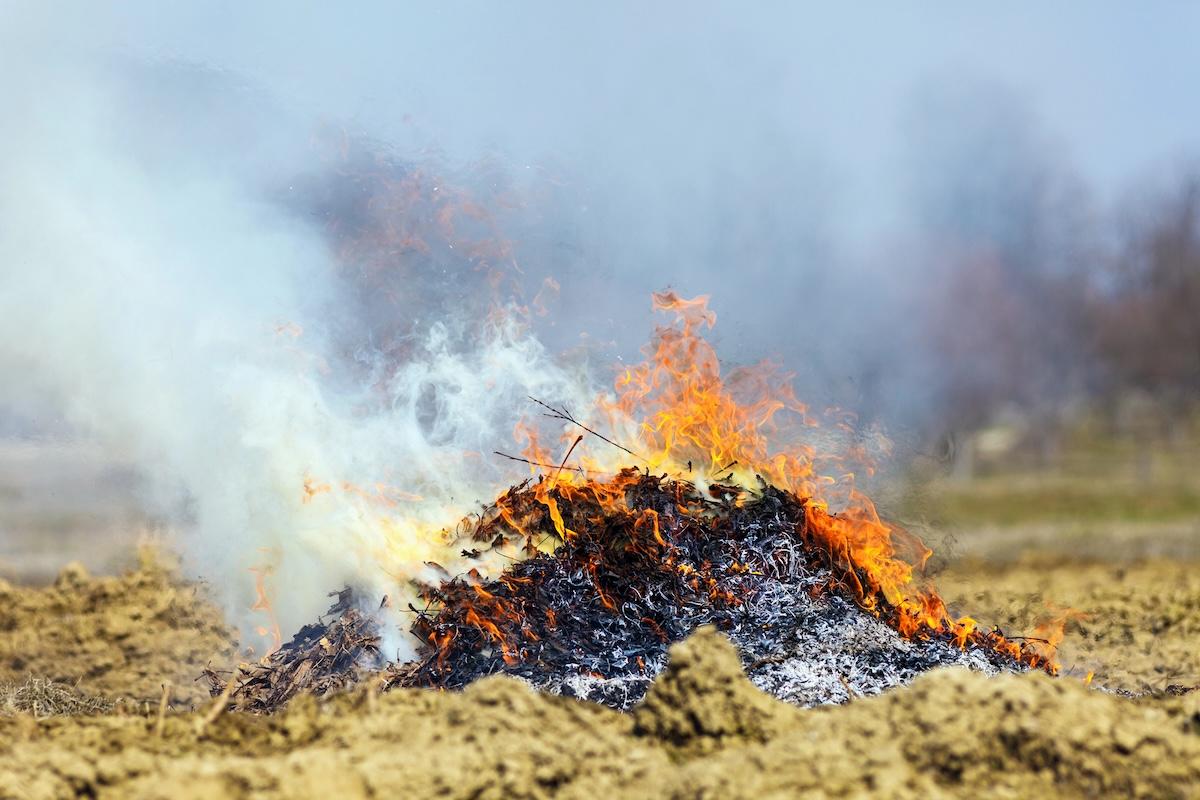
point(833, 651)
point(803, 651)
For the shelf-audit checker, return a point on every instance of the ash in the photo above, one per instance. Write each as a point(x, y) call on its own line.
point(803, 651)
point(831, 651)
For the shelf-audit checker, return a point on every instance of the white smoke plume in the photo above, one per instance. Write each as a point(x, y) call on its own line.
point(188, 324)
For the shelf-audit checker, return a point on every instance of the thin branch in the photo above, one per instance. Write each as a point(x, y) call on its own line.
point(217, 708)
point(563, 414)
point(570, 450)
point(541, 464)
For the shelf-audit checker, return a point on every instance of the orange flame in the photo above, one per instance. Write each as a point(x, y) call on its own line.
point(690, 415)
point(263, 603)
point(688, 418)
point(1049, 635)
point(312, 488)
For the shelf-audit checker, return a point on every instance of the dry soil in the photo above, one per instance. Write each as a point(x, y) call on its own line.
point(110, 645)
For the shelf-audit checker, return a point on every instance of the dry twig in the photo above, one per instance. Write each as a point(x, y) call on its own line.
point(217, 708)
point(162, 711)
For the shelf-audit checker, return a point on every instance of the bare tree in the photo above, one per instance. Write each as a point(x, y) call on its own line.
point(1009, 234)
point(1148, 316)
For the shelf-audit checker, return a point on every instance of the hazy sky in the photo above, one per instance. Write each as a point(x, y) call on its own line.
point(759, 152)
point(664, 90)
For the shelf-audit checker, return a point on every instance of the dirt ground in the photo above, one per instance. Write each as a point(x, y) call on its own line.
point(704, 731)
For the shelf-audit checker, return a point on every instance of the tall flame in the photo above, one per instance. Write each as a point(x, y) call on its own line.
point(681, 415)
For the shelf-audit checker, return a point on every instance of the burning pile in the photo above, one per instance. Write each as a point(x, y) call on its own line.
point(647, 560)
point(729, 523)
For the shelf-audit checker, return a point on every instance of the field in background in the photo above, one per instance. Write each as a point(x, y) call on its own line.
point(1105, 495)
point(61, 502)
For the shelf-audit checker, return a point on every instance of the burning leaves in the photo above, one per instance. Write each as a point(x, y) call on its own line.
point(319, 659)
point(643, 561)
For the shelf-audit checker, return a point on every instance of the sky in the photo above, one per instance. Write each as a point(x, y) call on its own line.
point(759, 152)
point(665, 90)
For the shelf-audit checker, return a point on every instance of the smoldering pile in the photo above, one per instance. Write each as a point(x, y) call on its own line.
point(639, 563)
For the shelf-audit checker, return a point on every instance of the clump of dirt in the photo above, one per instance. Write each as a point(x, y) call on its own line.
point(960, 734)
point(122, 636)
point(704, 698)
point(1135, 625)
point(703, 731)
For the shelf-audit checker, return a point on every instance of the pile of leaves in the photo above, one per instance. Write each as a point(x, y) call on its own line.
point(321, 658)
point(630, 576)
point(639, 563)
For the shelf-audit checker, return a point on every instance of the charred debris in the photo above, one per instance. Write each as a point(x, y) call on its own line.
point(638, 563)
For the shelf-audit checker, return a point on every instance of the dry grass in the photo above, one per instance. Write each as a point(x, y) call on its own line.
point(1106, 497)
point(45, 698)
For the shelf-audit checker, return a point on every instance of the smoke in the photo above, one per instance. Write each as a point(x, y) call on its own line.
point(155, 289)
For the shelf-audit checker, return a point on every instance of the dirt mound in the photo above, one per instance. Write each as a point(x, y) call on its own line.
point(951, 733)
point(117, 636)
point(1137, 624)
point(703, 731)
point(704, 698)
